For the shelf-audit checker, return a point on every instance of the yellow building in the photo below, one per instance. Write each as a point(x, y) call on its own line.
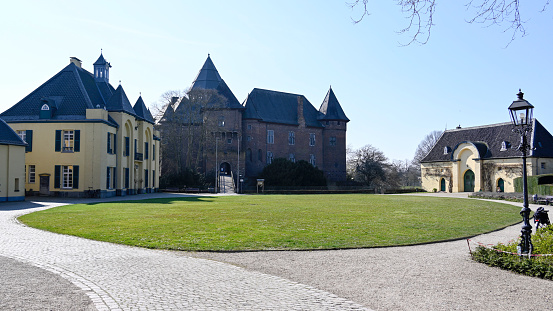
point(84, 137)
point(12, 165)
point(484, 158)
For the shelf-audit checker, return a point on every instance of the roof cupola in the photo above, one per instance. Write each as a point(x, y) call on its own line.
point(101, 69)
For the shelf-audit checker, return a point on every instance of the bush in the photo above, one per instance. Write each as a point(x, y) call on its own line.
point(534, 186)
point(187, 177)
point(283, 172)
point(541, 267)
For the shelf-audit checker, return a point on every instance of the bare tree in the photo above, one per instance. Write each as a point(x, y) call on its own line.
point(186, 128)
point(370, 166)
point(420, 14)
point(425, 146)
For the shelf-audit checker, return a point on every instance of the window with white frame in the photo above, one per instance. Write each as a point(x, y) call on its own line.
point(68, 140)
point(67, 177)
point(311, 139)
point(32, 176)
point(269, 157)
point(270, 136)
point(291, 138)
point(22, 135)
point(312, 160)
point(292, 157)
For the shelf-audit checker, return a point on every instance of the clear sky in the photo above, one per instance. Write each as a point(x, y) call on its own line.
point(393, 95)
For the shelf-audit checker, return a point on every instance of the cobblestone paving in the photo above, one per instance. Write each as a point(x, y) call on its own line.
point(118, 277)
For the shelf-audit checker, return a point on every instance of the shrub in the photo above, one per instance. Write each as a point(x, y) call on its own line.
point(186, 177)
point(283, 172)
point(541, 267)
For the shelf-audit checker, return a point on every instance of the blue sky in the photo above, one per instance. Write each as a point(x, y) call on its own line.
point(393, 95)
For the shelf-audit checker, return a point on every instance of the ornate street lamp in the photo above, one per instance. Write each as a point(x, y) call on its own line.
point(521, 116)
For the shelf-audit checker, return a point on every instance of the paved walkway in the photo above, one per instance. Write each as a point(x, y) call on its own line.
point(105, 276)
point(116, 277)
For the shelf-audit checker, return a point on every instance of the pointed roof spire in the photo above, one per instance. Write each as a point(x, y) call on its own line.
point(331, 109)
point(119, 102)
point(209, 79)
point(142, 112)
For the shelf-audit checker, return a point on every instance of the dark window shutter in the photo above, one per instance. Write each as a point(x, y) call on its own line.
point(127, 146)
point(114, 143)
point(114, 178)
point(146, 149)
point(29, 136)
point(153, 152)
point(57, 176)
point(58, 141)
point(109, 142)
point(77, 145)
point(107, 178)
point(127, 177)
point(75, 177)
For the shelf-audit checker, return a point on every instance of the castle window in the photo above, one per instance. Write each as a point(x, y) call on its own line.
point(249, 138)
point(291, 138)
point(249, 126)
point(447, 150)
point(292, 157)
point(269, 157)
point(311, 139)
point(543, 165)
point(332, 141)
point(221, 121)
point(67, 177)
point(312, 160)
point(270, 136)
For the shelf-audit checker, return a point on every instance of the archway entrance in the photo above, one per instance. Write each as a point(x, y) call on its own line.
point(442, 184)
point(500, 185)
point(469, 181)
point(224, 169)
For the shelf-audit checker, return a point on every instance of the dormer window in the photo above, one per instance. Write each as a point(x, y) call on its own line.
point(447, 150)
point(505, 145)
point(45, 107)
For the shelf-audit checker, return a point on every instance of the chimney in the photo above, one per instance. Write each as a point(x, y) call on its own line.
point(75, 61)
point(301, 119)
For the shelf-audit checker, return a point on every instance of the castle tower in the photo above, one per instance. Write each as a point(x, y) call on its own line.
point(335, 122)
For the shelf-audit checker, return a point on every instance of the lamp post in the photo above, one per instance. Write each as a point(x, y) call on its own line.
point(521, 116)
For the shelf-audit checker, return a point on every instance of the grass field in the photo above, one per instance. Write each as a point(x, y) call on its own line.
point(277, 222)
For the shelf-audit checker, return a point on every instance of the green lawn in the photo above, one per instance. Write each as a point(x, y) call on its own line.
point(270, 222)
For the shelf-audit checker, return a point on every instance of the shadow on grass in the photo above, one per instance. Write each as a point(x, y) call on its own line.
point(204, 199)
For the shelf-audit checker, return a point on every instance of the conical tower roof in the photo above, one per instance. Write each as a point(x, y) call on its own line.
point(331, 109)
point(142, 112)
point(209, 79)
point(119, 102)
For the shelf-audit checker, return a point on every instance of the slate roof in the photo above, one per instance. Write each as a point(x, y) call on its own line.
point(8, 136)
point(69, 93)
point(101, 60)
point(279, 107)
point(331, 109)
point(142, 112)
point(488, 140)
point(209, 79)
point(119, 102)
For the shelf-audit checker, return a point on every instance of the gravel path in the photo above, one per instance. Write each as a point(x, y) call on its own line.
point(437, 276)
